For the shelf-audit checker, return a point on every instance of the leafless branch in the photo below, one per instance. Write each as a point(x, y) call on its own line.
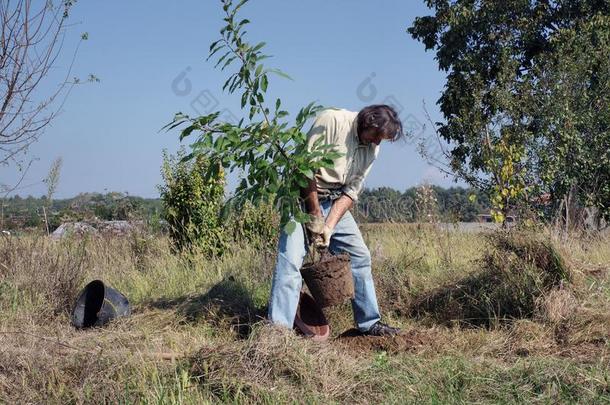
point(32, 36)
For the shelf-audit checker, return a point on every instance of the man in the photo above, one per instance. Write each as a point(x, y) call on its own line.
point(328, 198)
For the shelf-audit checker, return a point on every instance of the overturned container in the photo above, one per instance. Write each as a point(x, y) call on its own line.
point(97, 304)
point(329, 279)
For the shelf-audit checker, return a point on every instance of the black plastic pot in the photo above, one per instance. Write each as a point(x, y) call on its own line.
point(97, 304)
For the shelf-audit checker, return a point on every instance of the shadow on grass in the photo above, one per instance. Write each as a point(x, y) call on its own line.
point(226, 304)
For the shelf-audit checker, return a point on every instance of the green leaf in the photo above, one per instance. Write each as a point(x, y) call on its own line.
point(302, 217)
point(173, 124)
point(187, 131)
point(290, 227)
point(302, 182)
point(215, 51)
point(228, 62)
point(213, 45)
point(239, 5)
point(307, 173)
point(280, 73)
point(264, 83)
point(258, 46)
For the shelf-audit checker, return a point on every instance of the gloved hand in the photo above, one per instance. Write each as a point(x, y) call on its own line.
point(324, 242)
point(320, 232)
point(315, 226)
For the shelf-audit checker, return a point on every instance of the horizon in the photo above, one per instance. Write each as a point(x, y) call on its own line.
point(124, 194)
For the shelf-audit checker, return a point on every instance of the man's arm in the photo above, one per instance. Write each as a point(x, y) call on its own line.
point(340, 207)
point(310, 197)
point(312, 205)
point(322, 230)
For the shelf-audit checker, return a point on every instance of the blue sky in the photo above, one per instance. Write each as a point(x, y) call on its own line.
point(150, 57)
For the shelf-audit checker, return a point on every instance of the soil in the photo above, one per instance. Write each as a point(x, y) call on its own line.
point(598, 272)
point(330, 280)
point(409, 341)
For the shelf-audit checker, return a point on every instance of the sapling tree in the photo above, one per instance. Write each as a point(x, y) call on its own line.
point(270, 151)
point(51, 181)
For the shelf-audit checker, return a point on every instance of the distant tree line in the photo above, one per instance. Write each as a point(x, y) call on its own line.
point(421, 204)
point(27, 212)
point(382, 204)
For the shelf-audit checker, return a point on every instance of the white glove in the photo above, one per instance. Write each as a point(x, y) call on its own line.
point(324, 241)
point(315, 226)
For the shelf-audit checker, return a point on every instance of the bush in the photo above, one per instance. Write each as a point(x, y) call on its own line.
point(514, 276)
point(192, 201)
point(255, 225)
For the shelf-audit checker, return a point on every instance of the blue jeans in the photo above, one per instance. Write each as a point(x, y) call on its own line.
point(287, 279)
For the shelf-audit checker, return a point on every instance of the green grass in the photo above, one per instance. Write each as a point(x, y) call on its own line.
point(197, 336)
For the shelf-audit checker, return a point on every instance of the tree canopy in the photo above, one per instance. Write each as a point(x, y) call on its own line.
point(526, 98)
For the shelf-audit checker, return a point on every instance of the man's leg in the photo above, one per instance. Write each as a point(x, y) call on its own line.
point(347, 237)
point(287, 281)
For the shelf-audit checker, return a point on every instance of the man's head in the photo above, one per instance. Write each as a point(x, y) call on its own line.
point(378, 122)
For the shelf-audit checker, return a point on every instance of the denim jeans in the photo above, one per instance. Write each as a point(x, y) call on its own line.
point(287, 279)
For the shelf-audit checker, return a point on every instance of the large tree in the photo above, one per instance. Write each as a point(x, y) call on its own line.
point(525, 102)
point(571, 107)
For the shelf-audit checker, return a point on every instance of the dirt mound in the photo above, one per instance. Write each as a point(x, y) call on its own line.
point(408, 341)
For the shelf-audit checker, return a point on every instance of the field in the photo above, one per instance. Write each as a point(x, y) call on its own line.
point(487, 319)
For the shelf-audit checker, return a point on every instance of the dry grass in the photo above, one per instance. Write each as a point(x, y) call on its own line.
point(197, 333)
point(41, 273)
point(275, 359)
point(512, 277)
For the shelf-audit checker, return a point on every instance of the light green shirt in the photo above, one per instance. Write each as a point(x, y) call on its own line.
point(339, 128)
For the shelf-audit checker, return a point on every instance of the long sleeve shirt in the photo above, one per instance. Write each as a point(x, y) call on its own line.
point(339, 128)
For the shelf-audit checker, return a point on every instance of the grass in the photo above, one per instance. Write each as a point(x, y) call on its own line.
point(197, 333)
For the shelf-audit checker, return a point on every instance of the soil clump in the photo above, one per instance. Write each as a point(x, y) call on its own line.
point(330, 279)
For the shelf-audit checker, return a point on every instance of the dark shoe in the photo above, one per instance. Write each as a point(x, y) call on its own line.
point(381, 329)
